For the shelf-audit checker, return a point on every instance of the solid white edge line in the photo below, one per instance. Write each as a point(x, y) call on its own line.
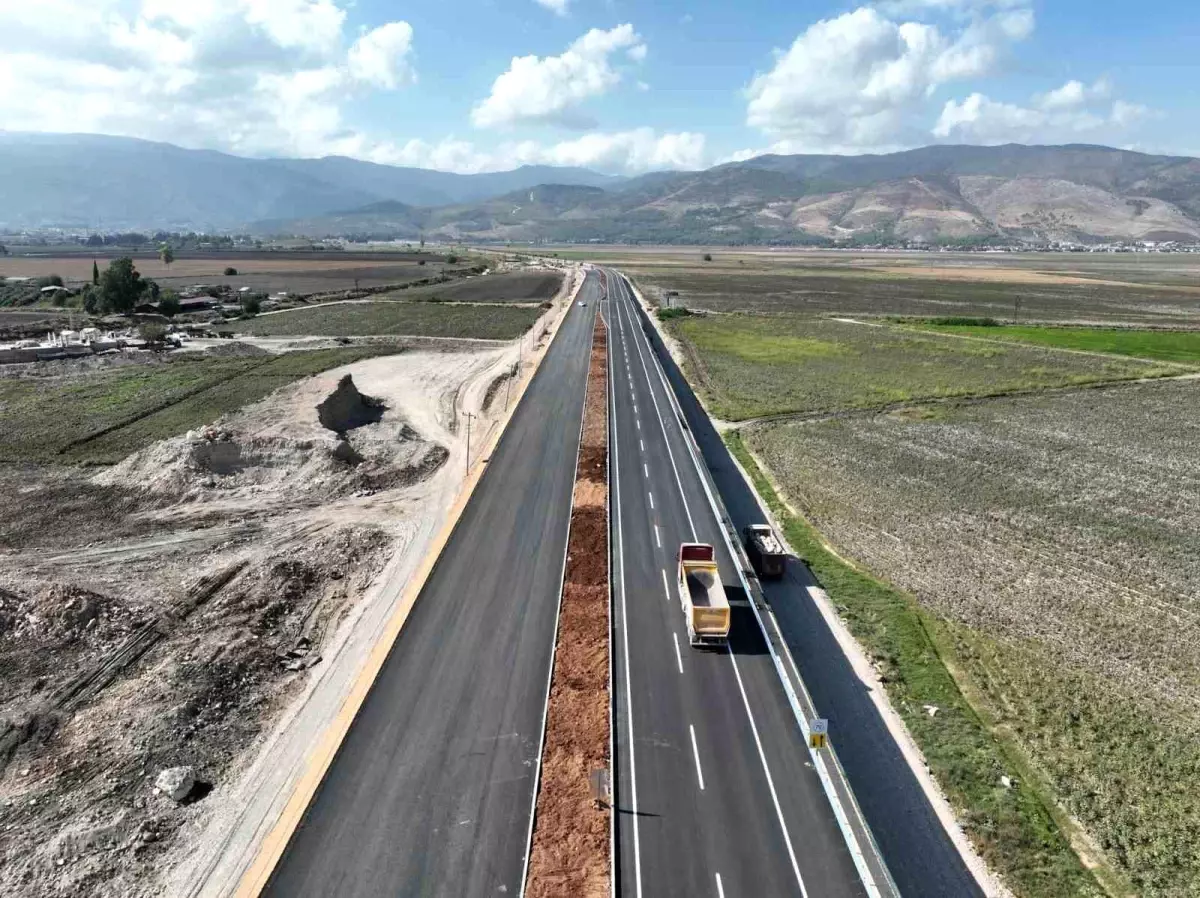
point(737, 673)
point(834, 799)
point(678, 655)
point(537, 774)
point(637, 849)
point(606, 314)
point(696, 755)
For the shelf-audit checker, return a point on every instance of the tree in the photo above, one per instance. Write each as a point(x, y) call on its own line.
point(251, 304)
point(708, 257)
point(3, 250)
point(153, 333)
point(91, 300)
point(121, 286)
point(451, 259)
point(166, 254)
point(95, 272)
point(231, 272)
point(168, 303)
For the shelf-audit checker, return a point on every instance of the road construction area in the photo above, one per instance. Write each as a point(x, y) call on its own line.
point(188, 591)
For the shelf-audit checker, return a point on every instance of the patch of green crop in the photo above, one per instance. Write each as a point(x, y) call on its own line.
point(750, 366)
point(1181, 347)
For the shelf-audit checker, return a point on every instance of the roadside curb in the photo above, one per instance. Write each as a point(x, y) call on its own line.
point(259, 871)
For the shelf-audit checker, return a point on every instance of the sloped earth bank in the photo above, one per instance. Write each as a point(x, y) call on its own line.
point(203, 604)
point(570, 851)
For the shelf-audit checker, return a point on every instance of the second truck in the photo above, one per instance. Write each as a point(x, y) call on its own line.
point(702, 595)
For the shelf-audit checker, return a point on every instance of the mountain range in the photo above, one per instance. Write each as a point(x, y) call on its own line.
point(937, 193)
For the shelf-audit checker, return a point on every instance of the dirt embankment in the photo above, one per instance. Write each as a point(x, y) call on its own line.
point(570, 851)
point(169, 618)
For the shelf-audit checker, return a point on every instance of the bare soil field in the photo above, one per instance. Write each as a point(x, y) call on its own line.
point(300, 273)
point(1065, 287)
point(509, 286)
point(159, 616)
point(1057, 536)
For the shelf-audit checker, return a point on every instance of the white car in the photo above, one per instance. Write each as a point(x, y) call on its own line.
point(582, 304)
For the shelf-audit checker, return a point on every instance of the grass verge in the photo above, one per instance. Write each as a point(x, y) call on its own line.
point(1013, 829)
point(419, 319)
point(1181, 347)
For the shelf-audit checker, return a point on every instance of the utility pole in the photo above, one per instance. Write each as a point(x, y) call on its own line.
point(468, 467)
point(508, 387)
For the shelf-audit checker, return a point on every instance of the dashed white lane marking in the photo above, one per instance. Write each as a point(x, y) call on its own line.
point(645, 471)
point(642, 444)
point(639, 423)
point(657, 539)
point(678, 657)
point(651, 495)
point(666, 587)
point(696, 755)
point(720, 888)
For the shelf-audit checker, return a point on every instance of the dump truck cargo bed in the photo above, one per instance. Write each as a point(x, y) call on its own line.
point(702, 595)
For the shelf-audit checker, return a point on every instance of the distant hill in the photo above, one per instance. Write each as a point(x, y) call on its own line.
point(118, 183)
point(937, 194)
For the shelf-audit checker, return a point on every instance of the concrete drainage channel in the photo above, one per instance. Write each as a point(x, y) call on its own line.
point(570, 851)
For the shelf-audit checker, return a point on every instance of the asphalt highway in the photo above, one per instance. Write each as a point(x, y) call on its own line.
point(715, 790)
point(922, 860)
point(431, 792)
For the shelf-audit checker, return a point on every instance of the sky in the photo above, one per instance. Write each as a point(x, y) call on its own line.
point(620, 86)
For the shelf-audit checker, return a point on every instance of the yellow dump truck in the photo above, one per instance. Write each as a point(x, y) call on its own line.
point(702, 595)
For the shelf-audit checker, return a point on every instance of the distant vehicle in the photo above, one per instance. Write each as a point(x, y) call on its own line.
point(582, 304)
point(703, 597)
point(765, 551)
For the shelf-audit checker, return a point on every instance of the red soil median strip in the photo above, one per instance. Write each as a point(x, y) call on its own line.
point(570, 851)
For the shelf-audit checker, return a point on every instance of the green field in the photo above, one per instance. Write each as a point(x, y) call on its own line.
point(1182, 347)
point(752, 366)
point(101, 416)
point(418, 319)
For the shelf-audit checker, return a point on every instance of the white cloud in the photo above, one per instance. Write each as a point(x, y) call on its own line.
point(381, 57)
point(549, 90)
point(856, 81)
point(1069, 113)
point(1073, 95)
point(249, 76)
point(625, 152)
point(559, 7)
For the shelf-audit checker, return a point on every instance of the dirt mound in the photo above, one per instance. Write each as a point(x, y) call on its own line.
point(346, 408)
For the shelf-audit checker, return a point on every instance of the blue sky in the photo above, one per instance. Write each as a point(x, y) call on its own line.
point(617, 85)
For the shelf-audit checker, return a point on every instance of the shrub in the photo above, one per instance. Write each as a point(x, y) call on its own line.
point(231, 272)
point(50, 280)
point(961, 321)
point(153, 333)
point(708, 257)
point(451, 259)
point(168, 303)
point(676, 312)
point(251, 305)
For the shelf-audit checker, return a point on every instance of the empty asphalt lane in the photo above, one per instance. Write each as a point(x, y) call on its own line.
point(432, 788)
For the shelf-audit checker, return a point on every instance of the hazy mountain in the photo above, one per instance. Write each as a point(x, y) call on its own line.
point(91, 181)
point(940, 193)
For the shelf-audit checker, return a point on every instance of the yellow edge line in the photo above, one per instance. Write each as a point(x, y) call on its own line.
point(255, 878)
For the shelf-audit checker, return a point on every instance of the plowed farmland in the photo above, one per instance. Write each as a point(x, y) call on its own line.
point(1059, 536)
